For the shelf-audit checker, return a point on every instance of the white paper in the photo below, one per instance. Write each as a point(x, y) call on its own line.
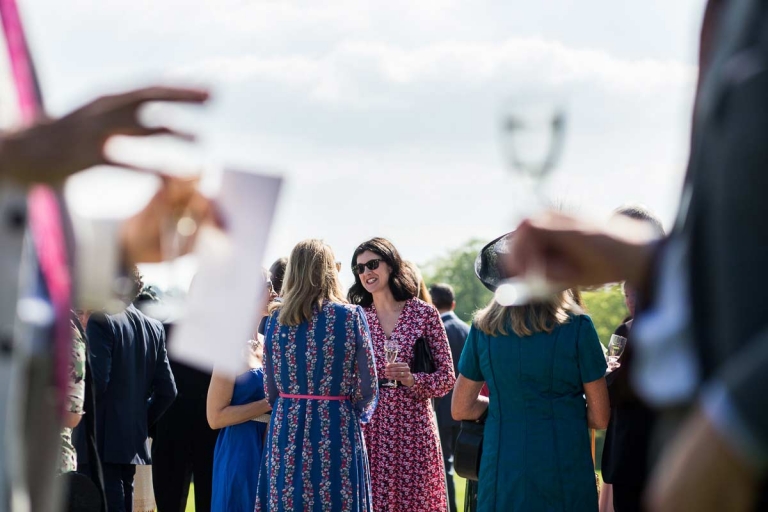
point(224, 301)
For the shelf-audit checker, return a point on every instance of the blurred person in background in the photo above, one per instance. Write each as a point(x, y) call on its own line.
point(277, 274)
point(421, 286)
point(544, 367)
point(403, 443)
point(321, 380)
point(444, 300)
point(627, 439)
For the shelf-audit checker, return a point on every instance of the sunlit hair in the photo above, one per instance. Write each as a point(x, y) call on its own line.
point(402, 284)
point(310, 278)
point(423, 291)
point(495, 319)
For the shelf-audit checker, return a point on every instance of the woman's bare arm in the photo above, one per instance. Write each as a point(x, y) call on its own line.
point(467, 404)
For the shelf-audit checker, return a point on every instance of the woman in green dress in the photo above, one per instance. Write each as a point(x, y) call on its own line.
point(544, 367)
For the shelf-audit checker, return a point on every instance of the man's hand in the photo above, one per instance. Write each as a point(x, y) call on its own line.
point(573, 252)
point(52, 150)
point(699, 472)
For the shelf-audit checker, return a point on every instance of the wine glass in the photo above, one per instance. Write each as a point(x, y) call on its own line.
point(390, 354)
point(615, 349)
point(532, 132)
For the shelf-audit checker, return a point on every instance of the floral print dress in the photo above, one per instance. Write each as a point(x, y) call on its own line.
point(407, 471)
point(315, 456)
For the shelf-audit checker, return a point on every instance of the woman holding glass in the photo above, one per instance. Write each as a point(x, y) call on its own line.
point(321, 378)
point(539, 361)
point(407, 469)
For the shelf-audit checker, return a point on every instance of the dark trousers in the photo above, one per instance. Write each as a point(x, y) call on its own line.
point(182, 452)
point(447, 441)
point(118, 484)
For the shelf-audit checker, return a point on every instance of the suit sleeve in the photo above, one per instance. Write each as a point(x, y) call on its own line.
point(101, 341)
point(440, 382)
point(163, 384)
point(737, 274)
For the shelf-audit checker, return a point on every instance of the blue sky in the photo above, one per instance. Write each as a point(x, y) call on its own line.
point(382, 115)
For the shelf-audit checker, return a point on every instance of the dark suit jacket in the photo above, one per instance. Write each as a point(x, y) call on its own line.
point(723, 228)
point(132, 380)
point(627, 438)
point(457, 334)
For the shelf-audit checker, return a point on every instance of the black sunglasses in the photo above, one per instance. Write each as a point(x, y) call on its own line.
point(371, 265)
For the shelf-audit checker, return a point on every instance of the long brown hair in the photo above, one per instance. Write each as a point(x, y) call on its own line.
point(310, 278)
point(495, 319)
point(402, 284)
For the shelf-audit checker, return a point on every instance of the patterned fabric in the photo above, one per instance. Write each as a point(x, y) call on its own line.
point(75, 399)
point(407, 470)
point(315, 455)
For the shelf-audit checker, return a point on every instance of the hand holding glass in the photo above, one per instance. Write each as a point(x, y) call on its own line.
point(615, 349)
point(390, 354)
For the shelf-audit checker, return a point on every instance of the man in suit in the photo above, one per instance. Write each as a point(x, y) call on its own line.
point(444, 300)
point(134, 386)
point(183, 443)
point(702, 334)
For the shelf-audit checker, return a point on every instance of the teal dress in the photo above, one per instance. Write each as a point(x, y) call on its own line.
point(536, 449)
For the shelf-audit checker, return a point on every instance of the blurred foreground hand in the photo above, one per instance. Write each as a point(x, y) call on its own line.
point(177, 211)
point(573, 252)
point(698, 472)
point(53, 149)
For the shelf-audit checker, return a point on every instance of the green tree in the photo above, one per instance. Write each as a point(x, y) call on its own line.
point(606, 307)
point(457, 268)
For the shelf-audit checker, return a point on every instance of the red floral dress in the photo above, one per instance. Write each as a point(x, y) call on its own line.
point(407, 472)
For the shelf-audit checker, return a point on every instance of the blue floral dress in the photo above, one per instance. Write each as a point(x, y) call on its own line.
point(315, 455)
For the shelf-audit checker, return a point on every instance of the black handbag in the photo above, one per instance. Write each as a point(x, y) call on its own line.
point(423, 362)
point(468, 449)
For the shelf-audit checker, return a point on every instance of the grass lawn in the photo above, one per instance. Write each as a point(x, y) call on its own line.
point(458, 482)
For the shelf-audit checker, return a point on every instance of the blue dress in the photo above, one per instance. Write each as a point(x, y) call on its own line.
point(536, 449)
point(315, 456)
point(237, 457)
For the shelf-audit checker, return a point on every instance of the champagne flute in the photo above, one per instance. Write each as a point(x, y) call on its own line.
point(391, 349)
point(532, 136)
point(615, 349)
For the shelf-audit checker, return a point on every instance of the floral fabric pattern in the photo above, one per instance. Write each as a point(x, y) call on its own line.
point(76, 399)
point(316, 457)
point(407, 471)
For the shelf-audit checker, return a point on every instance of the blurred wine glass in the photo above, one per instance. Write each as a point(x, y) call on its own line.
point(532, 134)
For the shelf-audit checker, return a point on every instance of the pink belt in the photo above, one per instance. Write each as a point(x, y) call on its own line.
point(314, 397)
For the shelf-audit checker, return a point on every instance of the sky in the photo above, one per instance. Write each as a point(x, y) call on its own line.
point(383, 116)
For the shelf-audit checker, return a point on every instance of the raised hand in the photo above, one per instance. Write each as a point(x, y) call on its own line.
point(53, 149)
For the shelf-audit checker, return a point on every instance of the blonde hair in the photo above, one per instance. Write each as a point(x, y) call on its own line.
point(422, 290)
point(495, 319)
point(310, 278)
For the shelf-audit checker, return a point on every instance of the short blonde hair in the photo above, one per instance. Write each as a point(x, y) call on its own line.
point(310, 278)
point(495, 319)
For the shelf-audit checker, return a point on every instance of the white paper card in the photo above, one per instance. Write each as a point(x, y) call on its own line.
point(224, 301)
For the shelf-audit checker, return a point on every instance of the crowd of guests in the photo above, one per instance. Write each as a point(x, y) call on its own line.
point(351, 424)
point(322, 417)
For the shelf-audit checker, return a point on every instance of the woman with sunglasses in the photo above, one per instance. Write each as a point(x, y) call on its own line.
point(407, 470)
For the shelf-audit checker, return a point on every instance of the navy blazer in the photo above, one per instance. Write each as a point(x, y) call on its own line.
point(132, 381)
point(457, 332)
